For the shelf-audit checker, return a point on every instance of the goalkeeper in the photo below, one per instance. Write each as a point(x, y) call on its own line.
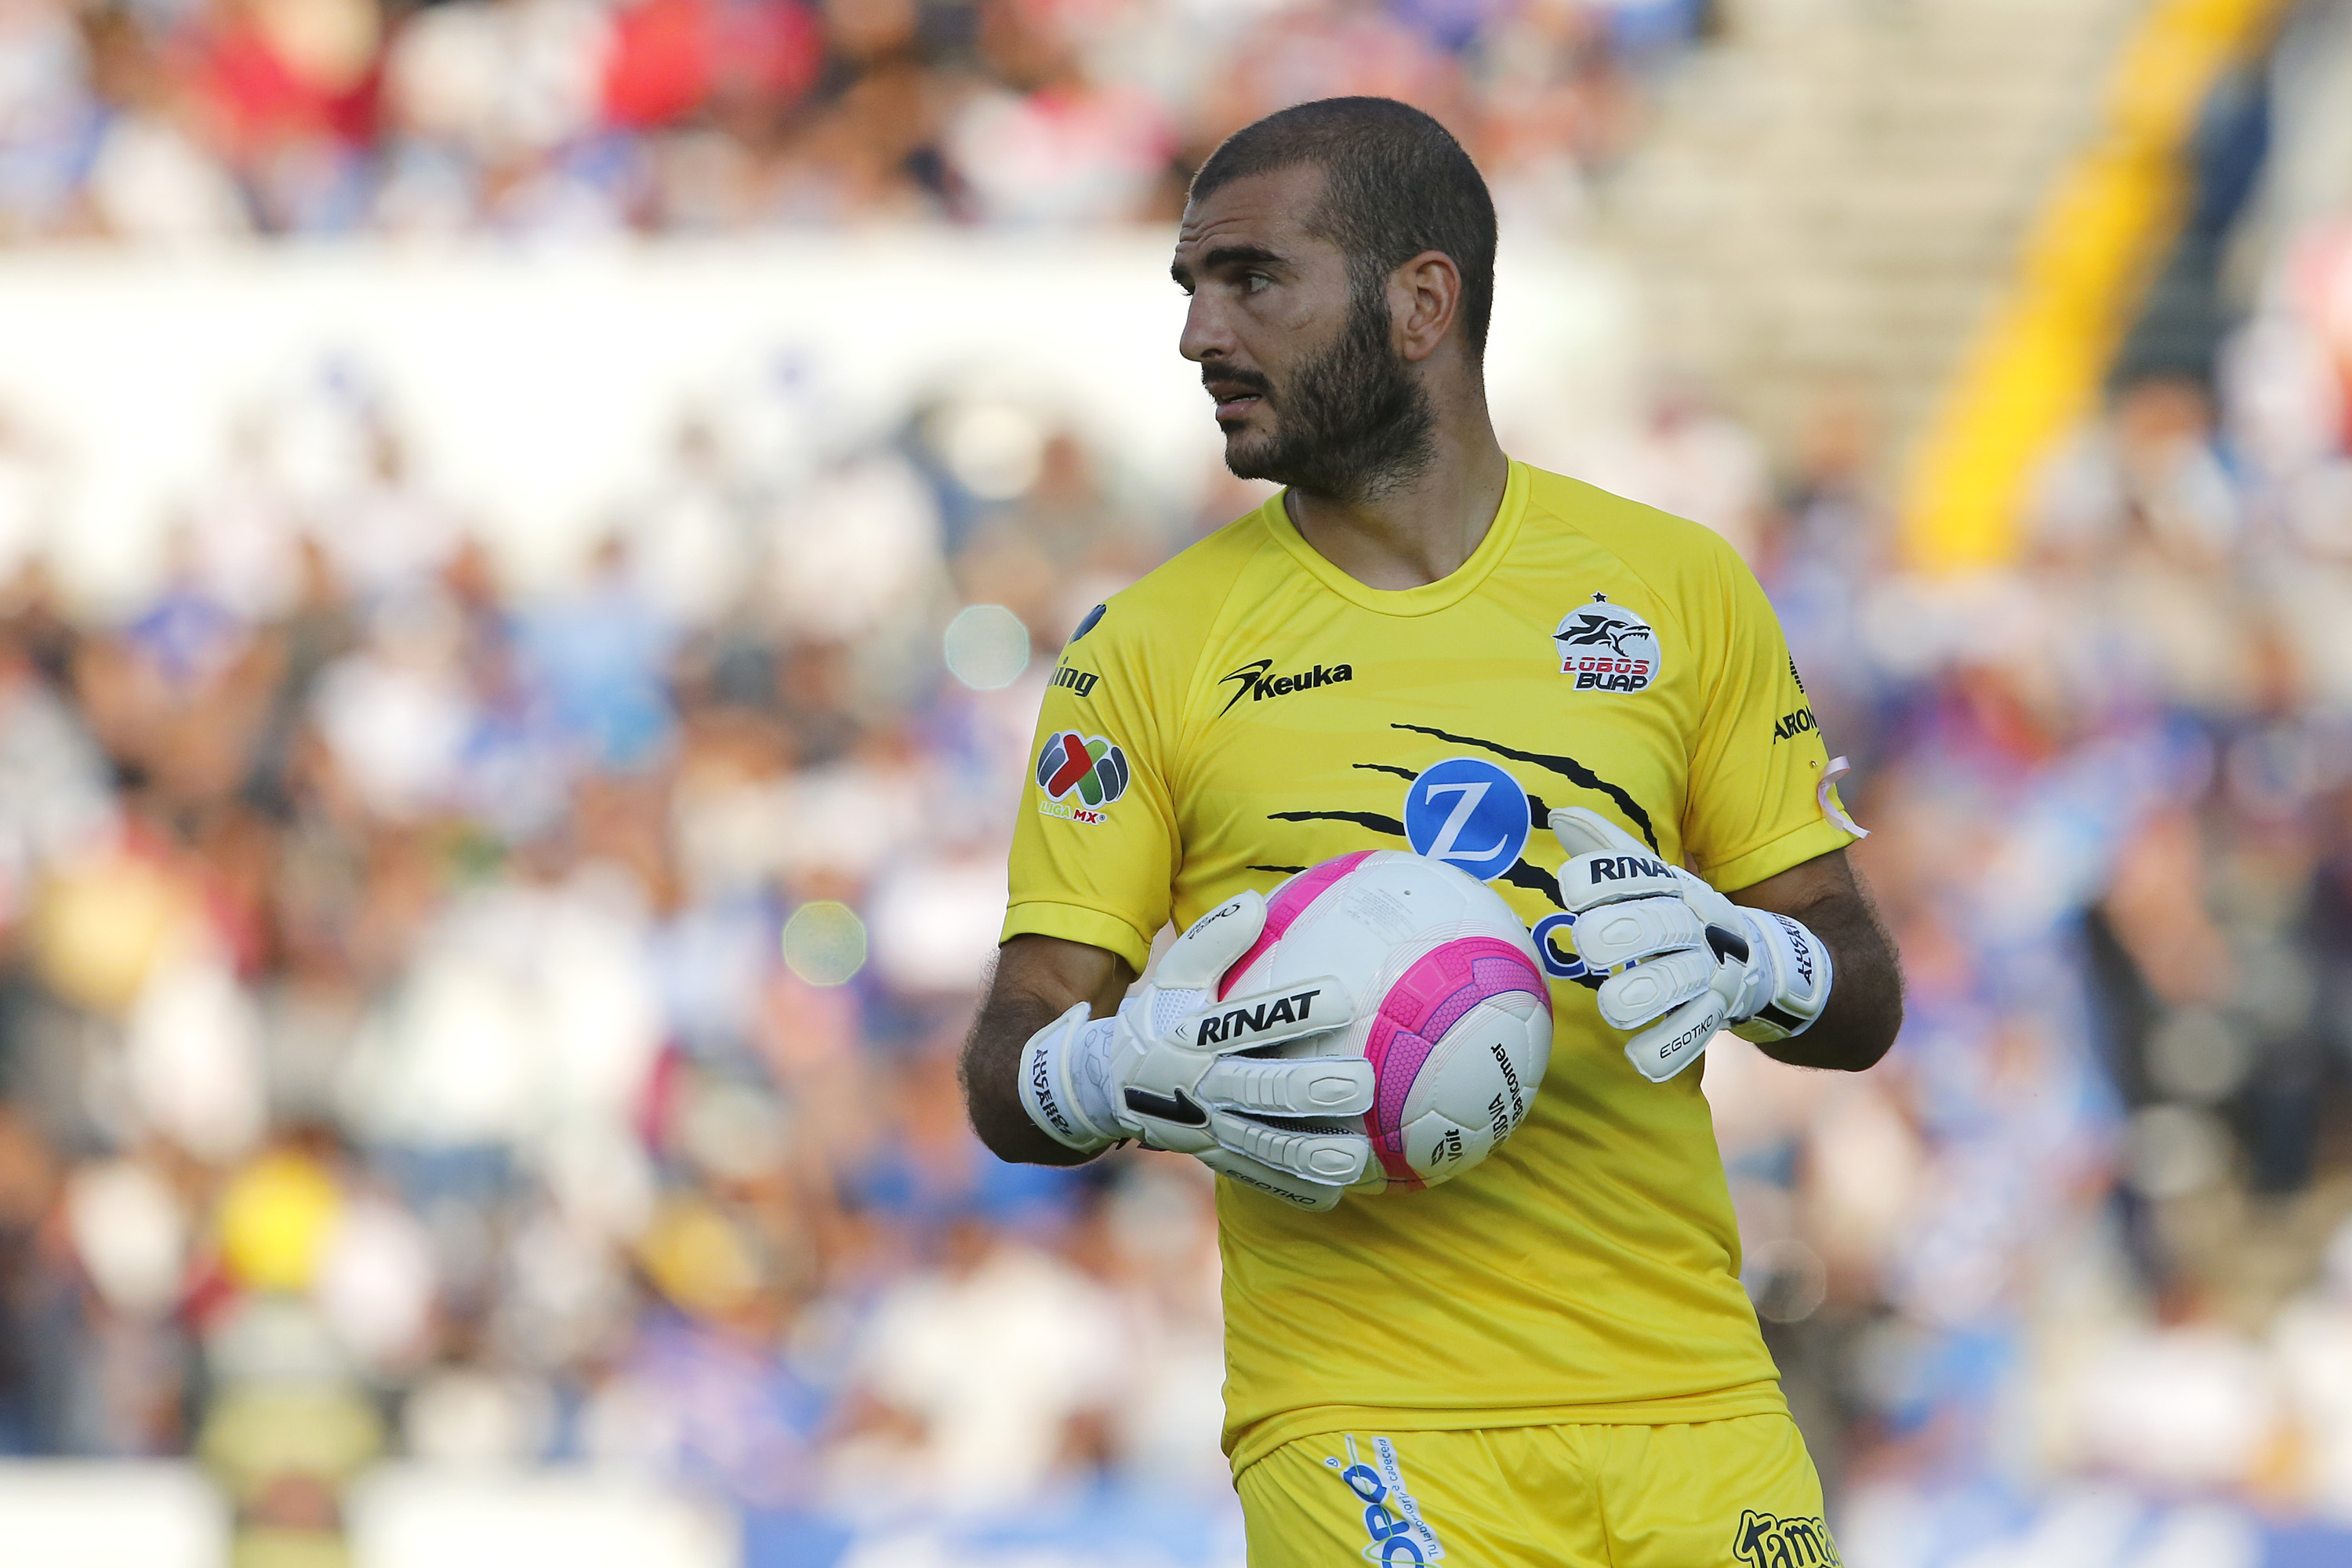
point(1420, 643)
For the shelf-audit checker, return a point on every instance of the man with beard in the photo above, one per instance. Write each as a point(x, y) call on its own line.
point(1419, 642)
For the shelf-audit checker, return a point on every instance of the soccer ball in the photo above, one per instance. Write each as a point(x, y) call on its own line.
point(1451, 1005)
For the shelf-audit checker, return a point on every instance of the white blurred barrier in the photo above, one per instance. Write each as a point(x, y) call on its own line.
point(540, 385)
point(426, 1517)
point(71, 1514)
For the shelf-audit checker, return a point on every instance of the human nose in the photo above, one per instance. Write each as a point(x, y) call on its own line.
point(1205, 336)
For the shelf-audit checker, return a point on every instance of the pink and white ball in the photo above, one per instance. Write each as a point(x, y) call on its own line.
point(1451, 1005)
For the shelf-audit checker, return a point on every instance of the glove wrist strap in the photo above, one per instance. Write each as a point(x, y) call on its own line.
point(1048, 1089)
point(1798, 969)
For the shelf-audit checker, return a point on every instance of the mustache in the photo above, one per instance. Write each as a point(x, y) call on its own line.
point(1255, 381)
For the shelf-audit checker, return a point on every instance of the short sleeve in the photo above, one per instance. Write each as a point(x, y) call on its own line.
point(1096, 844)
point(1760, 802)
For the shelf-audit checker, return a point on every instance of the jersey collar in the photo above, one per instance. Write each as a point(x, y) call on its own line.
point(1429, 597)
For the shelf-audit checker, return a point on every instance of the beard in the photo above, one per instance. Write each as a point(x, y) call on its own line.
point(1351, 423)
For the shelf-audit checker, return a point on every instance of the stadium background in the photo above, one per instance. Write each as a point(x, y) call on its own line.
point(532, 533)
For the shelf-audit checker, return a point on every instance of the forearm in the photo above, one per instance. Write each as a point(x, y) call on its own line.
point(1037, 980)
point(1865, 1004)
point(991, 1065)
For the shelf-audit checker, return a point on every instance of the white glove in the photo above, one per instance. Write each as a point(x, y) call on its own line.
point(1169, 1067)
point(1699, 962)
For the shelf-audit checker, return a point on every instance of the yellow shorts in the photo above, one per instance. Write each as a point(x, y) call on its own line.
point(1737, 1493)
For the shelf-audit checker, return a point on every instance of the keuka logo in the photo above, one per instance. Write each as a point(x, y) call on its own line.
point(1081, 774)
point(1608, 647)
point(1254, 681)
point(1081, 681)
point(1768, 1541)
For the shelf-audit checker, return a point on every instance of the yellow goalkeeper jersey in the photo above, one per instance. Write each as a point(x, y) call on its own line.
point(1249, 710)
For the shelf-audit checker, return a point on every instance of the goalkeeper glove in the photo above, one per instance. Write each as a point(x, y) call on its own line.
point(1682, 960)
point(1168, 1069)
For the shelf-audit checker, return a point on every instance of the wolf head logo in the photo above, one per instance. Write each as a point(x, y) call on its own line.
point(1593, 629)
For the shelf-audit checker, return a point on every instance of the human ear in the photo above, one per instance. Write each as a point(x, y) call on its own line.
point(1424, 296)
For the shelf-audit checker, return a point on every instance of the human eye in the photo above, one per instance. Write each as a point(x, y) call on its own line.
point(1255, 282)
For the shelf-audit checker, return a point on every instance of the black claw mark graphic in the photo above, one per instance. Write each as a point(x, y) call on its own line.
point(1278, 870)
point(1384, 768)
point(1521, 875)
point(1371, 819)
point(1567, 767)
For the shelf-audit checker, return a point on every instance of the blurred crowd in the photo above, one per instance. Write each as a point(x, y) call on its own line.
point(2094, 1217)
point(490, 1030)
point(174, 121)
point(485, 1025)
point(493, 1027)
point(443, 1021)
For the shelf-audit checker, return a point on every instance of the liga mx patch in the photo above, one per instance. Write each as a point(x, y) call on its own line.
point(1080, 775)
point(1608, 647)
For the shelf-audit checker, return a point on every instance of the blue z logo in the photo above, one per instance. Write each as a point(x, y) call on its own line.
point(1469, 813)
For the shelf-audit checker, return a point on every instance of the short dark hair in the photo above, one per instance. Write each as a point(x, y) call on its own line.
point(1396, 183)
